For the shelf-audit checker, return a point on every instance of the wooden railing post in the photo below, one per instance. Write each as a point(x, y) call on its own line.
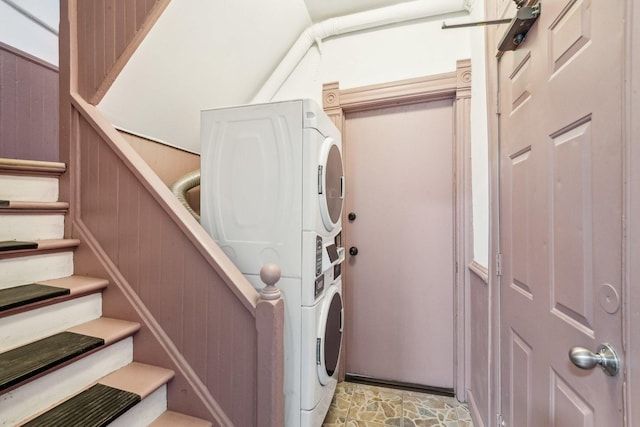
point(270, 357)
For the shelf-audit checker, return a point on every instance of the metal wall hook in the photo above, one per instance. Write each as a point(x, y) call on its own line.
point(515, 34)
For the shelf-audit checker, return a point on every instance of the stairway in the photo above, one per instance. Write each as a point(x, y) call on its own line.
point(61, 362)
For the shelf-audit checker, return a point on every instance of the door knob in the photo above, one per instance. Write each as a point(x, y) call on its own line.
point(606, 357)
point(351, 216)
point(353, 251)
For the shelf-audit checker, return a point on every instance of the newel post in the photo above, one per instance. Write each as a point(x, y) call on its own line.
point(270, 349)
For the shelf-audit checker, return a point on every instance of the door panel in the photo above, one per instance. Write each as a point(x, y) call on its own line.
point(399, 314)
point(561, 212)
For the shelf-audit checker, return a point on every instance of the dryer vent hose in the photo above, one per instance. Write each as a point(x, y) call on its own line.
point(184, 184)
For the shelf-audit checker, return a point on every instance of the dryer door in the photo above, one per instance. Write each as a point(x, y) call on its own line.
point(330, 183)
point(329, 335)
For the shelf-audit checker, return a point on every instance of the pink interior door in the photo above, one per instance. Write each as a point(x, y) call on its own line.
point(561, 215)
point(399, 309)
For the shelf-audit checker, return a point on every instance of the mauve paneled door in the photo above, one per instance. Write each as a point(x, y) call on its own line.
point(561, 212)
point(399, 178)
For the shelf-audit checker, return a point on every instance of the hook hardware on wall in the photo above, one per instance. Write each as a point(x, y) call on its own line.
point(518, 28)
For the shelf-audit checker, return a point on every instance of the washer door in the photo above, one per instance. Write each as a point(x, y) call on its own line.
point(329, 335)
point(330, 183)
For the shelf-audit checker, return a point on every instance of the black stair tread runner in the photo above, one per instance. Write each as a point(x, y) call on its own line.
point(27, 294)
point(97, 406)
point(13, 245)
point(31, 359)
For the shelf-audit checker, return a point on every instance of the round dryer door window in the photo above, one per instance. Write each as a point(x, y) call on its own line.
point(331, 187)
point(330, 335)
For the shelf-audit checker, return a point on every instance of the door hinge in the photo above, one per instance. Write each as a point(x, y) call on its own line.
point(498, 264)
point(500, 421)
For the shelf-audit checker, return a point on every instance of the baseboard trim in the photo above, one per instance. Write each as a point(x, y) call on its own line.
point(361, 379)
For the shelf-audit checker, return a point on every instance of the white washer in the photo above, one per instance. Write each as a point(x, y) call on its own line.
point(271, 192)
point(321, 347)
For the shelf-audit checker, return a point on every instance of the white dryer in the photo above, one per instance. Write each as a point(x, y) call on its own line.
point(272, 185)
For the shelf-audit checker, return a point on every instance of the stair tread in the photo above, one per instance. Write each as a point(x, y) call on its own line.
point(43, 245)
point(97, 406)
point(108, 329)
point(28, 294)
point(29, 360)
point(22, 206)
point(18, 299)
point(171, 419)
point(17, 245)
point(77, 284)
point(138, 378)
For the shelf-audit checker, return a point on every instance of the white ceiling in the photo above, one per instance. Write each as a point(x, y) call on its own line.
point(319, 10)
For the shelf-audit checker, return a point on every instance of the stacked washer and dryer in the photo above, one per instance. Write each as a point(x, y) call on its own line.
point(272, 186)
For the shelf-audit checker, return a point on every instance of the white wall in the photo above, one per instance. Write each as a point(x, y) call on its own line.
point(200, 54)
point(413, 49)
point(479, 140)
point(22, 33)
point(402, 51)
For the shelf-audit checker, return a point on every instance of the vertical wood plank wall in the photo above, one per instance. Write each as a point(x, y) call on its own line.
point(478, 394)
point(107, 31)
point(153, 259)
point(168, 162)
point(192, 301)
point(28, 106)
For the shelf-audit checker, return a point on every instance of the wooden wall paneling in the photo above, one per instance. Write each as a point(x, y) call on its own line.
point(109, 31)
point(28, 106)
point(135, 233)
point(478, 392)
point(478, 395)
point(168, 162)
point(8, 114)
point(159, 249)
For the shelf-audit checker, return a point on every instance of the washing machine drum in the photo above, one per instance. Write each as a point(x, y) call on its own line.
point(330, 184)
point(330, 336)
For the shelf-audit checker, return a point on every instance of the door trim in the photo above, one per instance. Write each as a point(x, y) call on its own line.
point(455, 85)
point(631, 269)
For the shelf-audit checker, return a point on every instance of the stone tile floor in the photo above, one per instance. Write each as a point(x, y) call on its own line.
point(358, 405)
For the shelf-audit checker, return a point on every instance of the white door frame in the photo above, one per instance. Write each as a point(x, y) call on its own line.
point(455, 85)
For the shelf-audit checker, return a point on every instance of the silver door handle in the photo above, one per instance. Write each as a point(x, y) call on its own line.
point(606, 357)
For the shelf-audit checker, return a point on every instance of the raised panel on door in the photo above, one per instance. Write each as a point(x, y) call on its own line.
point(561, 214)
